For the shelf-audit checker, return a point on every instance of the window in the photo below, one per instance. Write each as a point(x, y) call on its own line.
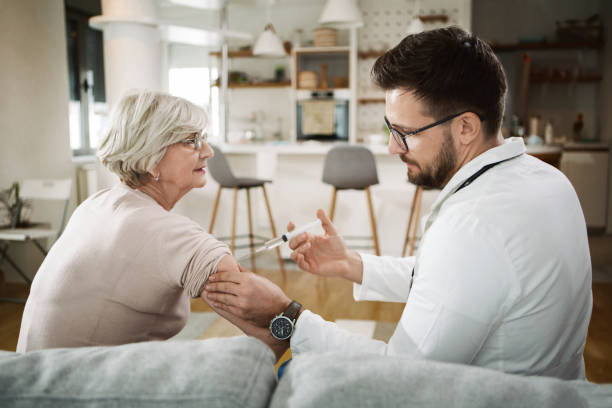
point(194, 84)
point(87, 105)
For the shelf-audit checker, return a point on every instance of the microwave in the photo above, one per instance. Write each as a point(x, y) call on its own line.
point(323, 119)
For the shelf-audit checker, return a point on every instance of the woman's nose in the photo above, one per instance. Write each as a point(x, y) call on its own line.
point(206, 151)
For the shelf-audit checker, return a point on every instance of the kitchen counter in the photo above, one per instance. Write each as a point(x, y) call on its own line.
point(314, 148)
point(296, 190)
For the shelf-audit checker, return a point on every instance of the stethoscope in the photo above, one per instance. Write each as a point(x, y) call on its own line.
point(463, 185)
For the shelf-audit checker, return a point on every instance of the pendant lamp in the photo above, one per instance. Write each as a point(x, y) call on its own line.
point(268, 44)
point(341, 14)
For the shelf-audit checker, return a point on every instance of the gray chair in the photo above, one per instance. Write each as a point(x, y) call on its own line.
point(352, 168)
point(222, 173)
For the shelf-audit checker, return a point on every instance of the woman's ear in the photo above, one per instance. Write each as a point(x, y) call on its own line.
point(467, 127)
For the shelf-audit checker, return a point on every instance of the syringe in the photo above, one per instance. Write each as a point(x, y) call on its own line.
point(273, 243)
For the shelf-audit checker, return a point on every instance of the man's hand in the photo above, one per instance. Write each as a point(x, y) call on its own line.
point(246, 296)
point(325, 255)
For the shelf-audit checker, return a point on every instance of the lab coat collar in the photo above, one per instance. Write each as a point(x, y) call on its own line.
point(512, 147)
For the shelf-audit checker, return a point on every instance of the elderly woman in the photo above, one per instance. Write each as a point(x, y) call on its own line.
point(125, 267)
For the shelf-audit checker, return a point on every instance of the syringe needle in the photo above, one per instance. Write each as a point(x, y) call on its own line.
point(273, 243)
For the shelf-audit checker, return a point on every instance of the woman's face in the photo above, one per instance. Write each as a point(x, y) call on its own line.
point(183, 167)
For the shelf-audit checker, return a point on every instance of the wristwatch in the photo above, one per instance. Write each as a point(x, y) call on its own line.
point(282, 326)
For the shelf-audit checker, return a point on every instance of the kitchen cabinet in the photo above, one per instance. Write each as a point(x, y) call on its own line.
point(587, 170)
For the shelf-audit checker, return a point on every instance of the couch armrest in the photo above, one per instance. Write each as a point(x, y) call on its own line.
point(230, 372)
point(367, 380)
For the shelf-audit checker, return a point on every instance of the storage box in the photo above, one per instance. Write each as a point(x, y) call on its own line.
point(325, 37)
point(308, 80)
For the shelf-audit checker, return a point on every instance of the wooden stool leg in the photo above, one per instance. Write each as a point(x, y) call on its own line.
point(372, 221)
point(278, 253)
point(417, 213)
point(251, 246)
point(333, 205)
point(233, 245)
point(214, 214)
point(410, 219)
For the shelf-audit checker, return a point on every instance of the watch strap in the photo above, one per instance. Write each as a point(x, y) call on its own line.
point(292, 310)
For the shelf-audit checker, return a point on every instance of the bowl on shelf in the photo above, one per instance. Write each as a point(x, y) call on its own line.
point(340, 82)
point(308, 79)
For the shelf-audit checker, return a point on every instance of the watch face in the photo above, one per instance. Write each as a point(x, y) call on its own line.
point(281, 328)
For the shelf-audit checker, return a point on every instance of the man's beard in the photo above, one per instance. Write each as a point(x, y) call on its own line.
point(440, 171)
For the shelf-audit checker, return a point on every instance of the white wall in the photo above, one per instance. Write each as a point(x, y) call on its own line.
point(34, 135)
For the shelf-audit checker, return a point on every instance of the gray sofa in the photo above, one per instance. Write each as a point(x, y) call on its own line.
point(239, 372)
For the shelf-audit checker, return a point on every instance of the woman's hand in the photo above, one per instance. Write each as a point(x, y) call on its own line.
point(325, 255)
point(249, 328)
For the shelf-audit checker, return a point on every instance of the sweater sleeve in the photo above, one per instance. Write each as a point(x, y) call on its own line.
point(191, 254)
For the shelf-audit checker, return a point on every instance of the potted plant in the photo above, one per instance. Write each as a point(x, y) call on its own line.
point(14, 207)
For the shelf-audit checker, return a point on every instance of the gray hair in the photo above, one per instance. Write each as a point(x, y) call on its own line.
point(142, 126)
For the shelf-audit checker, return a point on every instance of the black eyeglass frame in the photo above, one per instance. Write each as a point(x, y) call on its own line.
point(399, 135)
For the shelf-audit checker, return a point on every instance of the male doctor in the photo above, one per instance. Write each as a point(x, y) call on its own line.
point(502, 278)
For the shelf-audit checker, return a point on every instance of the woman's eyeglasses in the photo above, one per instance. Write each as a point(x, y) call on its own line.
point(196, 140)
point(400, 137)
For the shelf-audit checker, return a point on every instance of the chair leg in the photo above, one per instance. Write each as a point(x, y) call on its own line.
point(251, 245)
point(233, 245)
point(214, 214)
point(4, 257)
point(372, 221)
point(410, 219)
point(278, 253)
point(417, 213)
point(333, 205)
point(40, 247)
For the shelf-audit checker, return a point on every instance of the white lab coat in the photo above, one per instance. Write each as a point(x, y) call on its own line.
point(502, 277)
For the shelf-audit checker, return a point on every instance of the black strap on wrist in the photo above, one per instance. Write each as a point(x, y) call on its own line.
point(292, 310)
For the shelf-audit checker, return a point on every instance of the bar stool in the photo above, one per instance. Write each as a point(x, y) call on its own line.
point(222, 173)
point(352, 168)
point(413, 220)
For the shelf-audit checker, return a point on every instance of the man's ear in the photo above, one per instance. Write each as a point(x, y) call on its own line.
point(467, 127)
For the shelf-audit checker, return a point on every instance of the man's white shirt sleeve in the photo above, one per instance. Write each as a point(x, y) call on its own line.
point(451, 308)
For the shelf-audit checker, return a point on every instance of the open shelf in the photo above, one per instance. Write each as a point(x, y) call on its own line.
point(321, 89)
point(364, 101)
point(322, 50)
point(370, 54)
point(241, 54)
point(559, 79)
point(546, 46)
point(283, 84)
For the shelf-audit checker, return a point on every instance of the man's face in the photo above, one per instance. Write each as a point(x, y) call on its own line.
point(431, 157)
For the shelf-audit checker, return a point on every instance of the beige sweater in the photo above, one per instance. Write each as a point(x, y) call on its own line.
point(121, 272)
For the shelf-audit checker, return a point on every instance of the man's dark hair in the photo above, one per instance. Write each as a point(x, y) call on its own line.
point(450, 71)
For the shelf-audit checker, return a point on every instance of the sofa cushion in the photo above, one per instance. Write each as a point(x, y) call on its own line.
point(367, 380)
point(234, 372)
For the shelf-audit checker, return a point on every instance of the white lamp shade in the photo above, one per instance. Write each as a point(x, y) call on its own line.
point(341, 14)
point(268, 44)
point(416, 26)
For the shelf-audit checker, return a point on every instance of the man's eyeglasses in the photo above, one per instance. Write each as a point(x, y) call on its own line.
point(400, 137)
point(196, 140)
